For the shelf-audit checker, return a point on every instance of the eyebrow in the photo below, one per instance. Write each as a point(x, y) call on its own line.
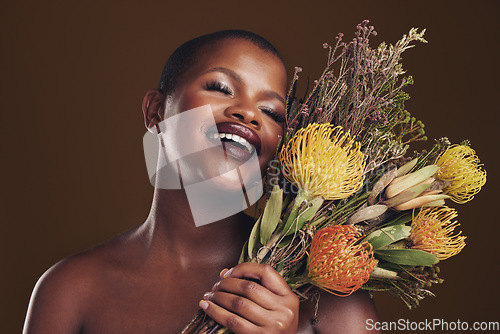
point(274, 95)
point(226, 71)
point(237, 78)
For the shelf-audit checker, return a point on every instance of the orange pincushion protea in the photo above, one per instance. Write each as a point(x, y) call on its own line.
point(336, 263)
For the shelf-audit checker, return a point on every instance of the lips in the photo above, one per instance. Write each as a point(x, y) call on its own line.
point(237, 139)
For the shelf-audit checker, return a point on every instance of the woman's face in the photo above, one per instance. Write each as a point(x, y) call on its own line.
point(245, 87)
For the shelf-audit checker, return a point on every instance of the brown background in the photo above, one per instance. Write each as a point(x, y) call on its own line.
point(73, 75)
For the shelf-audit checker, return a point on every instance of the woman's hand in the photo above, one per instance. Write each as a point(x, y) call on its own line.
point(245, 306)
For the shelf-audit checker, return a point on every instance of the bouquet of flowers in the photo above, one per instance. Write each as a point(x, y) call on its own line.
point(347, 210)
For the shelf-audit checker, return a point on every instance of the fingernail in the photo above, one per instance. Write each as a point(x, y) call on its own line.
point(208, 295)
point(227, 273)
point(221, 275)
point(215, 286)
point(203, 304)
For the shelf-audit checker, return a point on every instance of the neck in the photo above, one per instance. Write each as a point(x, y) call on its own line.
point(170, 233)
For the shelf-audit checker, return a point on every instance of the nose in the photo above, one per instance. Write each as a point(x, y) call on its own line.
point(246, 114)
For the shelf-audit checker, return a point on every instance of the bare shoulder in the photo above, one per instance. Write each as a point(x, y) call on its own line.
point(65, 292)
point(343, 314)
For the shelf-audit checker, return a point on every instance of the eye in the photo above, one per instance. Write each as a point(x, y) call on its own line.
point(276, 116)
point(219, 87)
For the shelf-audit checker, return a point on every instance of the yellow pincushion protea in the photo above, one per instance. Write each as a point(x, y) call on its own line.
point(432, 229)
point(460, 166)
point(323, 161)
point(336, 262)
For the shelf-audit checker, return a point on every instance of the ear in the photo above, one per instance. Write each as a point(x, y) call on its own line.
point(152, 108)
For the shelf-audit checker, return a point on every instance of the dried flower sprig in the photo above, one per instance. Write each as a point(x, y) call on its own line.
point(412, 285)
point(364, 95)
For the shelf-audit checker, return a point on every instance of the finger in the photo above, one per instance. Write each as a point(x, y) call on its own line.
point(227, 319)
point(249, 289)
point(241, 306)
point(266, 274)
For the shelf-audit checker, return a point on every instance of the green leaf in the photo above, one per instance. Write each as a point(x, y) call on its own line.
point(318, 220)
point(280, 266)
point(307, 214)
point(403, 219)
point(387, 235)
point(286, 240)
point(243, 251)
point(410, 257)
point(393, 267)
point(252, 240)
point(295, 280)
point(407, 167)
point(271, 215)
point(299, 199)
point(286, 200)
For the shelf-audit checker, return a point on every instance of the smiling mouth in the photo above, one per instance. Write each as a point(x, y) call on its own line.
point(238, 141)
point(234, 140)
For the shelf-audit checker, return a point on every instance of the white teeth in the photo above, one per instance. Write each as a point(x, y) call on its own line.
point(234, 138)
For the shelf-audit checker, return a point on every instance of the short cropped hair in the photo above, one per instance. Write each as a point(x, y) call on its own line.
point(185, 55)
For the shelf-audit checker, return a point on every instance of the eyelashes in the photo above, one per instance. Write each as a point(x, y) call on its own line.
point(278, 117)
point(225, 89)
point(219, 87)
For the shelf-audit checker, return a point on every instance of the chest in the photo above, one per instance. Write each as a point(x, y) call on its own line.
point(151, 305)
point(145, 303)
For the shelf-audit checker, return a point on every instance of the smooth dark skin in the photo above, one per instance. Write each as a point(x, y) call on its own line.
point(152, 278)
